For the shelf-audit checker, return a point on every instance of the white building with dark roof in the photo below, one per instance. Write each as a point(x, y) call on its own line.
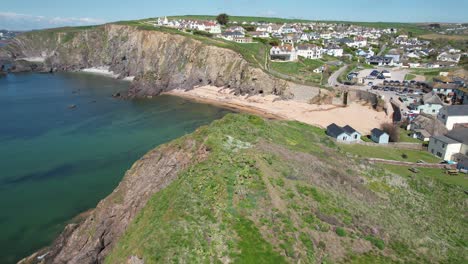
point(453, 114)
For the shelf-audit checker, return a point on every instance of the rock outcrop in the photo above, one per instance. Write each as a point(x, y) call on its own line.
point(159, 61)
point(91, 240)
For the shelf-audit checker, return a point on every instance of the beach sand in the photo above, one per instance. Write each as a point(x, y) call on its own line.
point(361, 117)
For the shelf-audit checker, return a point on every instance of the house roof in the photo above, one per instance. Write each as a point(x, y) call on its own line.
point(349, 130)
point(457, 110)
point(431, 98)
point(423, 132)
point(446, 139)
point(438, 85)
point(377, 132)
point(459, 134)
point(334, 130)
point(429, 123)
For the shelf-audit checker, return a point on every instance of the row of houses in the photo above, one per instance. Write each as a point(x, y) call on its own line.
point(290, 52)
point(349, 134)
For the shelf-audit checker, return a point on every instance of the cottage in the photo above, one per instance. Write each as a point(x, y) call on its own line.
point(379, 136)
point(334, 50)
point(431, 104)
point(343, 134)
point(232, 35)
point(424, 126)
point(452, 115)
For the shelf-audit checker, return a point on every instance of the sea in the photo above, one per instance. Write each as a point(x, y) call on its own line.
point(65, 144)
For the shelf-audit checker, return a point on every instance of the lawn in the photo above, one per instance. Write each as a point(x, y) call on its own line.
point(389, 153)
point(301, 70)
point(438, 174)
point(405, 137)
point(409, 77)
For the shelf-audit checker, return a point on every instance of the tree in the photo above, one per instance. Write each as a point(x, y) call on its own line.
point(392, 130)
point(222, 19)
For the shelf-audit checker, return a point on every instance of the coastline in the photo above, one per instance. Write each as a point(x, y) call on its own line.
point(104, 71)
point(271, 106)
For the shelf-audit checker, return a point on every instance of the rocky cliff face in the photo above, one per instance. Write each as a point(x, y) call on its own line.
point(159, 61)
point(91, 240)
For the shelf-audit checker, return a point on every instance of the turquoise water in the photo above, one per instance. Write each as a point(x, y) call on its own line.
point(56, 162)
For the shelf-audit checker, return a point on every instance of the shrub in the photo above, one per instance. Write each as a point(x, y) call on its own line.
point(404, 156)
point(377, 242)
point(392, 130)
point(340, 232)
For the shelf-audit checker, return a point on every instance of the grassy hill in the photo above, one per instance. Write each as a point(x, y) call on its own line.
point(283, 192)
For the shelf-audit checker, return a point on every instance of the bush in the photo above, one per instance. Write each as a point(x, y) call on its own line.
point(202, 33)
point(404, 156)
point(377, 242)
point(340, 232)
point(392, 130)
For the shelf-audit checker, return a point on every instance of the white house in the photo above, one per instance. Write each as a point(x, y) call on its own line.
point(284, 52)
point(343, 134)
point(445, 56)
point(452, 115)
point(379, 136)
point(445, 147)
point(335, 51)
point(431, 104)
point(260, 34)
point(309, 51)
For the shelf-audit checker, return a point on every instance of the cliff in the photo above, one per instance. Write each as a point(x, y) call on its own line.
point(160, 61)
point(249, 190)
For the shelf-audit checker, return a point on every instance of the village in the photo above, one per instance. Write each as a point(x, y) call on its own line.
point(420, 81)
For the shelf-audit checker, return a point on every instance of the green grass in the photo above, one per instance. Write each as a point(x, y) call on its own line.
point(301, 70)
point(272, 192)
point(409, 77)
point(389, 153)
point(242, 19)
point(432, 173)
point(405, 137)
point(429, 74)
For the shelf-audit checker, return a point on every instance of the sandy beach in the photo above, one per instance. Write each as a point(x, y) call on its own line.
point(362, 117)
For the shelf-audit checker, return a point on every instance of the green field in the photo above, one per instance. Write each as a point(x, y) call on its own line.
point(409, 77)
point(283, 192)
point(389, 153)
point(302, 69)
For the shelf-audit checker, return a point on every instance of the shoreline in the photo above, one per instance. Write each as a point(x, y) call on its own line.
point(270, 106)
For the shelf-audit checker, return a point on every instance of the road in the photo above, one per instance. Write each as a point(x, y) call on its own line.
point(382, 50)
point(333, 80)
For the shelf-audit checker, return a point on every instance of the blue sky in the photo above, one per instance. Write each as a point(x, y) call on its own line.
point(28, 14)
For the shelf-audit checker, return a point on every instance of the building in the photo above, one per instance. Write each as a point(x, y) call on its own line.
point(454, 142)
point(379, 136)
point(449, 57)
point(424, 126)
point(309, 51)
point(380, 61)
point(452, 115)
point(431, 104)
point(232, 35)
point(334, 50)
point(283, 52)
point(343, 134)
point(447, 89)
point(444, 147)
point(260, 34)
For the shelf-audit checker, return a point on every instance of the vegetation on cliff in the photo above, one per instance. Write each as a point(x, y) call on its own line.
point(282, 192)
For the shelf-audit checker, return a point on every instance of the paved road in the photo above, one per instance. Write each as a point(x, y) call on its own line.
point(382, 50)
point(333, 80)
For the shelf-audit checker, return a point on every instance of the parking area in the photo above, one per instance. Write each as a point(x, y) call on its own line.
point(379, 75)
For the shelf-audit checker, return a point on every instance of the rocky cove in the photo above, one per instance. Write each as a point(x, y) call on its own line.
point(159, 61)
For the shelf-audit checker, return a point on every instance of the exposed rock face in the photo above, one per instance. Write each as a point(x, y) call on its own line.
point(91, 240)
point(159, 61)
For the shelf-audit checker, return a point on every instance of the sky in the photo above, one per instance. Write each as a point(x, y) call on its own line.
point(35, 14)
